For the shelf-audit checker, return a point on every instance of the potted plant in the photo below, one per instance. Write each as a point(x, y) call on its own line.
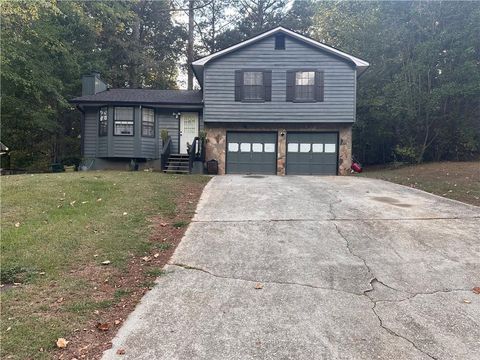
point(164, 136)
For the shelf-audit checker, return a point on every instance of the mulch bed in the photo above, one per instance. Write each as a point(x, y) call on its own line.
point(93, 337)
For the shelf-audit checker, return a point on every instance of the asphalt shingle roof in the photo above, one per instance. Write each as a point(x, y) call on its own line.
point(143, 96)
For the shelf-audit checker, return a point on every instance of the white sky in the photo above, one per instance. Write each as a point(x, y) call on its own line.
point(181, 18)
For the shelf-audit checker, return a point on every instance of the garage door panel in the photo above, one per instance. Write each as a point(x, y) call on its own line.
point(251, 152)
point(312, 153)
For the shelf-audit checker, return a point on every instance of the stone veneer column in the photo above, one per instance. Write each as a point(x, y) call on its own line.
point(281, 151)
point(215, 147)
point(345, 150)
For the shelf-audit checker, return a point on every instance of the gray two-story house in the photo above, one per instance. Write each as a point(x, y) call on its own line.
point(278, 103)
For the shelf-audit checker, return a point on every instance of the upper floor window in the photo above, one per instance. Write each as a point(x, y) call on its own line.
point(305, 86)
point(253, 85)
point(280, 42)
point(123, 121)
point(148, 122)
point(103, 121)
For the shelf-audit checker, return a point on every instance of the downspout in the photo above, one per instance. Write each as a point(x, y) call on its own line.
point(82, 130)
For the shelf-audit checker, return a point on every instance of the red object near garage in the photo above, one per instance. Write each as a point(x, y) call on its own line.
point(356, 167)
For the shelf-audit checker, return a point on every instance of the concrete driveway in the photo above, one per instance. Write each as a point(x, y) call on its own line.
point(349, 268)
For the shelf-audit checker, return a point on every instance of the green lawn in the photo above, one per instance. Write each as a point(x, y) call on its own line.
point(57, 229)
point(455, 180)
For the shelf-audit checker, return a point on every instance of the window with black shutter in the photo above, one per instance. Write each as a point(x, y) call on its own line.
point(254, 86)
point(305, 86)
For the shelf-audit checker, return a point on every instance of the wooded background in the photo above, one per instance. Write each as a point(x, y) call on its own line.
point(419, 101)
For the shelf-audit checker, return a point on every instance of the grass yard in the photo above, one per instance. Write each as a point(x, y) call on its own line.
point(58, 229)
point(454, 180)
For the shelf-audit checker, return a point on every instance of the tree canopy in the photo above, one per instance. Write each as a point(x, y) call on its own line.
point(420, 99)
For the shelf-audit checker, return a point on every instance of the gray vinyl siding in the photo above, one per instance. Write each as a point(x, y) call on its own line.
point(219, 85)
point(130, 147)
point(149, 147)
point(102, 149)
point(90, 133)
point(167, 121)
point(123, 146)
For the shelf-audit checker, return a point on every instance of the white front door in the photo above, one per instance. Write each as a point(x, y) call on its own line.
point(188, 129)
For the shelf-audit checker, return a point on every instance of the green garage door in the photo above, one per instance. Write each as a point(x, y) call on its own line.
point(312, 153)
point(251, 153)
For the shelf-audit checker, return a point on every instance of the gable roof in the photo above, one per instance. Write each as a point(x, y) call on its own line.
point(198, 65)
point(143, 96)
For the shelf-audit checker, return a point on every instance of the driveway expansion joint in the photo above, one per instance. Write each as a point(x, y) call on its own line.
point(213, 221)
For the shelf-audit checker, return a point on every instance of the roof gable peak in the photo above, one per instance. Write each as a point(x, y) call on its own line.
point(198, 65)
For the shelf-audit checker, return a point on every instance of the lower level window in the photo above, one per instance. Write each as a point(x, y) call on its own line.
point(123, 124)
point(148, 122)
point(103, 122)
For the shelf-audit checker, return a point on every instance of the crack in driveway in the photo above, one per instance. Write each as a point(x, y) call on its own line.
point(189, 267)
point(362, 294)
point(391, 332)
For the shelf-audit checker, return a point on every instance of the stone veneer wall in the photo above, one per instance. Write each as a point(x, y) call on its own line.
point(217, 139)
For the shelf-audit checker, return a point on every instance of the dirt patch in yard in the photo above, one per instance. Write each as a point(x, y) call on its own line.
point(455, 180)
point(127, 286)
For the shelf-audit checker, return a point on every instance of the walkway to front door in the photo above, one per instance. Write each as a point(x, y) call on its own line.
point(305, 267)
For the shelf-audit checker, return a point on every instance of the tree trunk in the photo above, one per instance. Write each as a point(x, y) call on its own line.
point(190, 45)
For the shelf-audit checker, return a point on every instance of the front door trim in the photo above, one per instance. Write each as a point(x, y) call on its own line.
point(187, 137)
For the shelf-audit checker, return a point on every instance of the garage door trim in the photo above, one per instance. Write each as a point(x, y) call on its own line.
point(312, 132)
point(247, 132)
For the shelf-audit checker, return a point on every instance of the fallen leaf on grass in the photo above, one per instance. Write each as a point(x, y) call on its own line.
point(258, 286)
point(62, 343)
point(476, 290)
point(103, 326)
point(121, 352)
point(106, 262)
